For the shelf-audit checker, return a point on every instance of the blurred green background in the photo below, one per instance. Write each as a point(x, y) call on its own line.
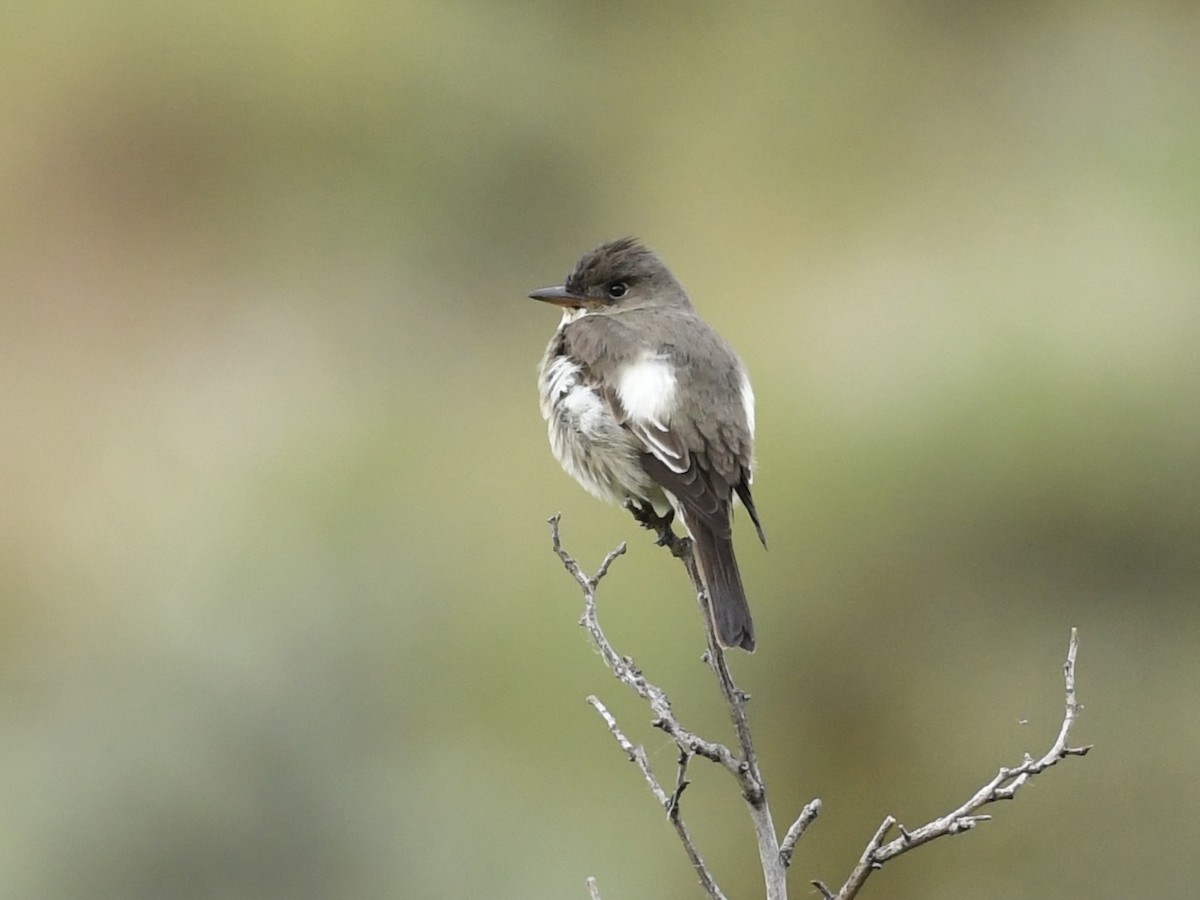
point(279, 614)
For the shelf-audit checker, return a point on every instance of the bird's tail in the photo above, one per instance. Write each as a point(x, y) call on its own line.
point(723, 581)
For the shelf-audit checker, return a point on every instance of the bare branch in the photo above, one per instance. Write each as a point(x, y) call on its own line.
point(637, 755)
point(629, 674)
point(745, 768)
point(681, 783)
point(568, 561)
point(807, 816)
point(754, 789)
point(775, 857)
point(1003, 786)
point(867, 862)
point(749, 776)
point(624, 669)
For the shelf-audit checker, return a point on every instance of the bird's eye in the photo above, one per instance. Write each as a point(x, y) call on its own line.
point(617, 290)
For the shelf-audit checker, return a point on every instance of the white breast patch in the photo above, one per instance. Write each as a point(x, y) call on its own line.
point(646, 389)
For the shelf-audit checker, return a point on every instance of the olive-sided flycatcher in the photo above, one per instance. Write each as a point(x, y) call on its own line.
point(645, 403)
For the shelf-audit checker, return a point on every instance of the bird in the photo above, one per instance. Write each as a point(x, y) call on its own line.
point(648, 407)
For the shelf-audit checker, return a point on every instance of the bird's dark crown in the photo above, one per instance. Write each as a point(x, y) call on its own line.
point(624, 260)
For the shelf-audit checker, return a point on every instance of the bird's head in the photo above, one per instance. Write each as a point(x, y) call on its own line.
point(622, 274)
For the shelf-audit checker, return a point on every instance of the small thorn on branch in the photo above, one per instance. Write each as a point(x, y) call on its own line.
point(681, 784)
point(965, 823)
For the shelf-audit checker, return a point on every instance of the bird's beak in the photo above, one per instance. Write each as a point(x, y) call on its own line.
point(559, 296)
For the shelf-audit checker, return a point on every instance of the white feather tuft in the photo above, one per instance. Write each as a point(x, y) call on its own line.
point(646, 389)
point(748, 402)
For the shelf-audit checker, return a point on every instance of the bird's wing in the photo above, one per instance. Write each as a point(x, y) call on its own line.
point(699, 488)
point(701, 463)
point(677, 454)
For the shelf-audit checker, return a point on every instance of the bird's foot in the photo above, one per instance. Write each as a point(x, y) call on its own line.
point(644, 514)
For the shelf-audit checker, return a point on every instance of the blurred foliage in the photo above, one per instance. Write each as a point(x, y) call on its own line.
point(280, 617)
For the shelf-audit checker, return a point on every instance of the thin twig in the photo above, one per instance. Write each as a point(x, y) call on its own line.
point(636, 754)
point(750, 778)
point(775, 857)
point(1003, 786)
point(681, 783)
point(628, 673)
point(807, 816)
point(866, 862)
point(744, 767)
point(624, 669)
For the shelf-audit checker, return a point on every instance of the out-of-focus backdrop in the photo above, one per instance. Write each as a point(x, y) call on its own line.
point(279, 613)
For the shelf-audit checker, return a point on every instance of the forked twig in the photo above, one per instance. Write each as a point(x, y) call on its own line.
point(775, 856)
point(1003, 786)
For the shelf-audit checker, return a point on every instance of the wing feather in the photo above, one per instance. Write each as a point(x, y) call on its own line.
point(698, 461)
